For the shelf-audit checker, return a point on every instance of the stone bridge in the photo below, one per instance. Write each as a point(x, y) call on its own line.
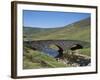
point(40, 45)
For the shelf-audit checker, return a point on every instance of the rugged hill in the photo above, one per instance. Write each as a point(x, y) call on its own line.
point(79, 30)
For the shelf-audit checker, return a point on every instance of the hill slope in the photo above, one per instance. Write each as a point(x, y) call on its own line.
point(79, 30)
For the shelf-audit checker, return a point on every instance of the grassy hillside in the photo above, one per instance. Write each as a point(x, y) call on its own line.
point(35, 59)
point(76, 31)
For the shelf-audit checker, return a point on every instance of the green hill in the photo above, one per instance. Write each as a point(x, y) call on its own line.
point(79, 30)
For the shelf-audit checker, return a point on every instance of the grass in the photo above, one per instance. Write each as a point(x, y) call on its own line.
point(73, 33)
point(85, 51)
point(36, 59)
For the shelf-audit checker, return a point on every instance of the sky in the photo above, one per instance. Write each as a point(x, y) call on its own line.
point(50, 19)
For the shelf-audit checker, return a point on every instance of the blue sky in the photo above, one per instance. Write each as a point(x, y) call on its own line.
point(49, 19)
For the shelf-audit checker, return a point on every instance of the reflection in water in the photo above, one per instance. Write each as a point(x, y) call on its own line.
point(51, 52)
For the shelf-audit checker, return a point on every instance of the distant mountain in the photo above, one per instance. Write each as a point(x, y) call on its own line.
point(79, 30)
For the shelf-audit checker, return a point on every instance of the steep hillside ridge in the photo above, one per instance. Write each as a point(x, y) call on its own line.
point(79, 30)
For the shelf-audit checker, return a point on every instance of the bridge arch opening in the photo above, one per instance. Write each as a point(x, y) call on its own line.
point(58, 48)
point(76, 46)
point(53, 46)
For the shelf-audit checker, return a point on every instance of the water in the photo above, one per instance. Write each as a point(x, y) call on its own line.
point(51, 52)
